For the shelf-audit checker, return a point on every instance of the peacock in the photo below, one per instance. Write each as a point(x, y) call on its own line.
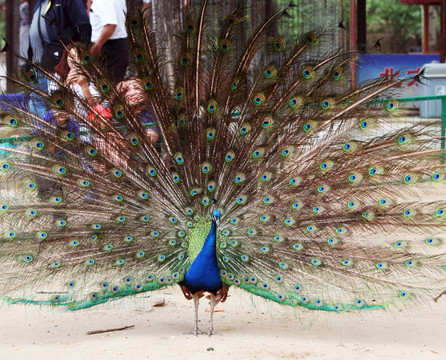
point(252, 164)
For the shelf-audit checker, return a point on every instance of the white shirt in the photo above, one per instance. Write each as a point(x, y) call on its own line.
point(105, 12)
point(80, 109)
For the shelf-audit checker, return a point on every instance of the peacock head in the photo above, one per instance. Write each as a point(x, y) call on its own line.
point(216, 214)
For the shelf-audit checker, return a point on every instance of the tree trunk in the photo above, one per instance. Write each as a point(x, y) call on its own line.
point(167, 21)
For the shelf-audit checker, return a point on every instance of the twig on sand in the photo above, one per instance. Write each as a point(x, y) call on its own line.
point(436, 298)
point(110, 330)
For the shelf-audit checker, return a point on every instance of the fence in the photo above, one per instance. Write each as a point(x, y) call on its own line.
point(431, 107)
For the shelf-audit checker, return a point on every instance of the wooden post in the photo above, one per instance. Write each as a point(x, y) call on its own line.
point(425, 28)
point(362, 25)
point(353, 42)
point(443, 31)
point(12, 37)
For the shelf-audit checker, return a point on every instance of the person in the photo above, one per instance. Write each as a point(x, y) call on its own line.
point(24, 29)
point(132, 91)
point(146, 6)
point(109, 37)
point(134, 94)
point(56, 22)
point(59, 121)
point(68, 71)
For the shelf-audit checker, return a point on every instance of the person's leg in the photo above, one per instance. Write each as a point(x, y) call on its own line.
point(115, 59)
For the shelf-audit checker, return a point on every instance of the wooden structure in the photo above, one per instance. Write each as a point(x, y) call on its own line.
point(426, 4)
point(12, 36)
point(358, 33)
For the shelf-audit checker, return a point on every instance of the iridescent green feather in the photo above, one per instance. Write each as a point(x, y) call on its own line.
point(322, 206)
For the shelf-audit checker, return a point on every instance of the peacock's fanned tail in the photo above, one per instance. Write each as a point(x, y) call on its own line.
point(319, 207)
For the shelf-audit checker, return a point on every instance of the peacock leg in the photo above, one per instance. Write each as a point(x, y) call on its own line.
point(196, 330)
point(211, 318)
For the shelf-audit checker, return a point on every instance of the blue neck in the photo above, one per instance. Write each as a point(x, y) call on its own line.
point(204, 274)
point(209, 245)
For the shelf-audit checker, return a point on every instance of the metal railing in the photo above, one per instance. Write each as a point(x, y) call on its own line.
point(436, 108)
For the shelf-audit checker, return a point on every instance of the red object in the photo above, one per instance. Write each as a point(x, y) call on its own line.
point(389, 74)
point(101, 110)
point(62, 67)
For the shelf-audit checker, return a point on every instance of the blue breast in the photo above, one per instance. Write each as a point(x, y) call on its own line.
point(204, 274)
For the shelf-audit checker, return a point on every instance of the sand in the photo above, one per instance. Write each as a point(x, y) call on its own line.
point(249, 328)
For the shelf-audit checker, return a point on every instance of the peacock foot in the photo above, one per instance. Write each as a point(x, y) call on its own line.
point(196, 332)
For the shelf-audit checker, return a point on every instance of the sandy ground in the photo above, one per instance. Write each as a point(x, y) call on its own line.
point(249, 328)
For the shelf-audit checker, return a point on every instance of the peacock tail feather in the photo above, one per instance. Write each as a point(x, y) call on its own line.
point(318, 208)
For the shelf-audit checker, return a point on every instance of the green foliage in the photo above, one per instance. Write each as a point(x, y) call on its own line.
point(393, 18)
point(2, 22)
point(306, 16)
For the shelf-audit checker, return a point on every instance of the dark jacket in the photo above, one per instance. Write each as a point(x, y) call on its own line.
point(66, 20)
